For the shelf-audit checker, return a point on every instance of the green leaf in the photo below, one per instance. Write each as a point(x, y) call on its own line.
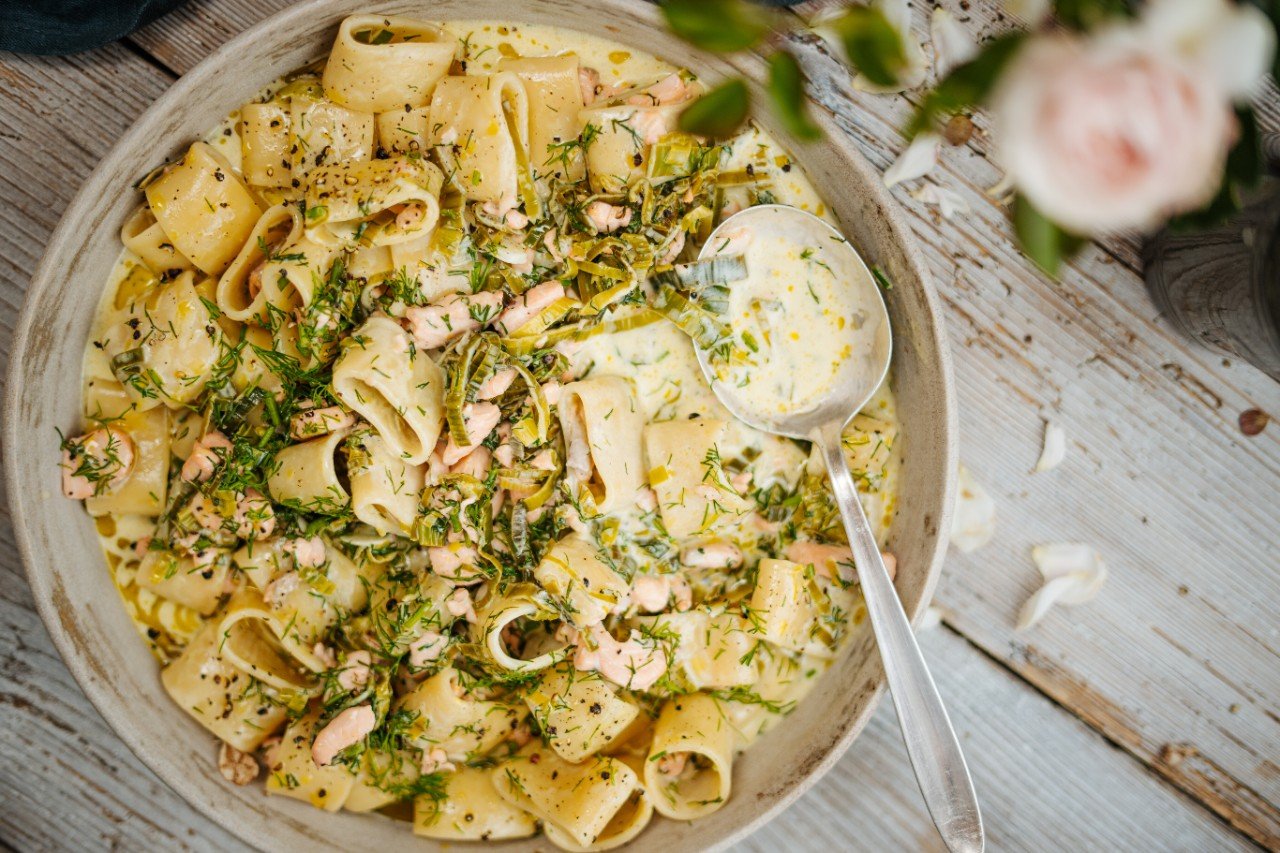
point(967, 85)
point(1041, 239)
point(1271, 8)
point(718, 25)
point(1224, 204)
point(786, 91)
point(1244, 170)
point(1245, 162)
point(719, 113)
point(871, 43)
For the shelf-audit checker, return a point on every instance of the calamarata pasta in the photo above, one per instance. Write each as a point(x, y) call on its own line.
point(402, 461)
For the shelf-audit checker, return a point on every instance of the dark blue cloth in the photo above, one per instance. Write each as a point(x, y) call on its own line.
point(70, 26)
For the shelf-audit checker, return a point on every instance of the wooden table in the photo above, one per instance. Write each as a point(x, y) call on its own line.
point(1148, 719)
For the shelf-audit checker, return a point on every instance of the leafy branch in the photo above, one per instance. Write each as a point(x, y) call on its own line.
point(870, 42)
point(878, 51)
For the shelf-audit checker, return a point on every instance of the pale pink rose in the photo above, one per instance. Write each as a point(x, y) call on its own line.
point(1111, 133)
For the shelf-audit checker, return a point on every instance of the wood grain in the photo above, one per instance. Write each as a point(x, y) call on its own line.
point(67, 781)
point(187, 35)
point(1175, 663)
point(1045, 781)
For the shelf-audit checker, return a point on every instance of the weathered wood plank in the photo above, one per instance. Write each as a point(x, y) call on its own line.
point(187, 35)
point(68, 782)
point(57, 117)
point(1045, 781)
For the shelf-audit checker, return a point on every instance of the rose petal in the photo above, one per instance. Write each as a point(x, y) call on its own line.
point(1231, 43)
point(916, 161)
point(952, 43)
point(1064, 558)
point(1055, 447)
point(974, 522)
point(1073, 574)
point(1238, 51)
point(1179, 22)
point(948, 202)
point(1043, 599)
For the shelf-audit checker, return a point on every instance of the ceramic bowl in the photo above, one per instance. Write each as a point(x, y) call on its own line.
point(68, 574)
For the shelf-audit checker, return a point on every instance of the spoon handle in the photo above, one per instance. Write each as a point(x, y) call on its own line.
point(935, 753)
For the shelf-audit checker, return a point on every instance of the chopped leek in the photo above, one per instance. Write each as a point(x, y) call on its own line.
point(537, 433)
point(676, 155)
point(316, 578)
point(126, 361)
point(304, 87)
point(547, 317)
point(698, 323)
point(604, 299)
point(520, 532)
point(430, 530)
point(524, 171)
point(475, 363)
point(721, 269)
point(451, 228)
point(602, 270)
point(579, 331)
point(548, 488)
point(135, 284)
point(520, 478)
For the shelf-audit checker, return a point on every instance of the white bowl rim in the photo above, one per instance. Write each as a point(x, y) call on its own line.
point(751, 65)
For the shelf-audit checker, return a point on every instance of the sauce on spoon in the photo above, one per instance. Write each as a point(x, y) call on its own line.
point(800, 325)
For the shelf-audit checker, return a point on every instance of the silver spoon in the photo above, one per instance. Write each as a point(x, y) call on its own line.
point(931, 743)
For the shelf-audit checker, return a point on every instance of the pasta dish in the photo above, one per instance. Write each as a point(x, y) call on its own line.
point(402, 461)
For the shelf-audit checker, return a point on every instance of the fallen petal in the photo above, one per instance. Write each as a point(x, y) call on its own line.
point(1073, 574)
point(1071, 558)
point(952, 43)
point(1002, 190)
point(1039, 603)
point(1231, 43)
point(916, 161)
point(974, 522)
point(1055, 447)
point(948, 201)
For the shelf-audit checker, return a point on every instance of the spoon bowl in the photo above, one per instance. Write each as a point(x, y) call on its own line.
point(860, 375)
point(812, 387)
